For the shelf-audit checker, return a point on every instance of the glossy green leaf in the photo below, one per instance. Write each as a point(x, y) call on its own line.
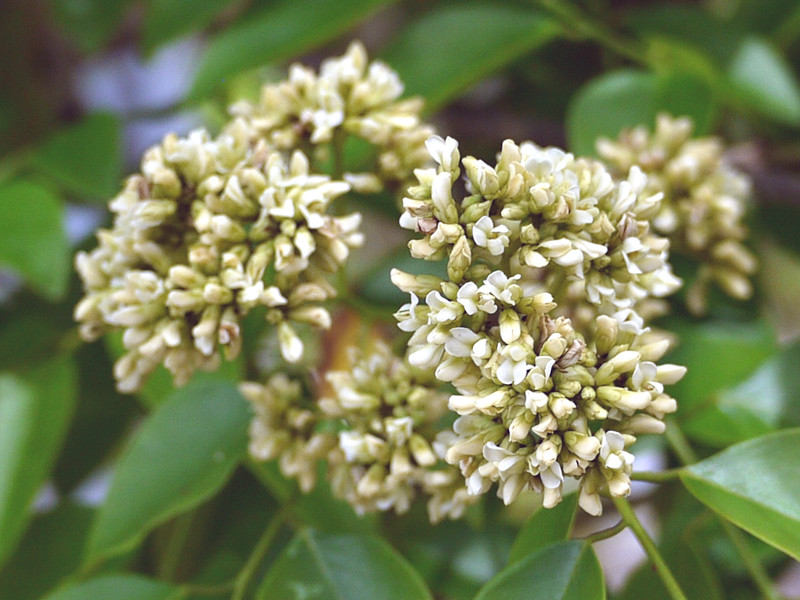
point(755, 485)
point(764, 80)
point(561, 571)
point(718, 356)
point(608, 104)
point(166, 20)
point(545, 527)
point(35, 413)
point(32, 238)
point(179, 457)
point(750, 409)
point(89, 23)
point(448, 49)
point(119, 587)
point(85, 158)
point(341, 567)
point(55, 540)
point(282, 29)
point(688, 24)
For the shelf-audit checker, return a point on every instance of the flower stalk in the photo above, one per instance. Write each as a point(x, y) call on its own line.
point(649, 546)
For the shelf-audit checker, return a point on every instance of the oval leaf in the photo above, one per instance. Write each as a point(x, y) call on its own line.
point(168, 19)
point(55, 539)
point(766, 82)
point(451, 48)
point(756, 485)
point(281, 30)
point(546, 526)
point(85, 158)
point(557, 572)
point(35, 413)
point(119, 587)
point(180, 456)
point(33, 242)
point(607, 105)
point(740, 347)
point(341, 567)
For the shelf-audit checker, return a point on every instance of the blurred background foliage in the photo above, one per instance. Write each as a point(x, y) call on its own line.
point(87, 85)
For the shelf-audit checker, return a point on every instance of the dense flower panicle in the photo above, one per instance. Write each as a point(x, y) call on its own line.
point(209, 229)
point(536, 397)
point(537, 239)
point(704, 203)
point(386, 455)
point(545, 216)
point(284, 427)
point(349, 95)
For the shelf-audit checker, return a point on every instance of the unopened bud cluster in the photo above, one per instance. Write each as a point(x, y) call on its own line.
point(390, 414)
point(377, 430)
point(705, 200)
point(213, 227)
point(540, 397)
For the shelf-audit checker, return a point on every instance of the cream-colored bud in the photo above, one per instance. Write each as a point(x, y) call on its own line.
point(510, 326)
point(624, 362)
point(460, 259)
point(290, 343)
point(626, 401)
point(420, 285)
point(314, 315)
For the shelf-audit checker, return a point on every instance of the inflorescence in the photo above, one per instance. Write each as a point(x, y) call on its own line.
point(532, 361)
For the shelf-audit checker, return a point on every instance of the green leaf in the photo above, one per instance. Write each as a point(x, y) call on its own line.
point(35, 412)
point(32, 238)
point(341, 567)
point(689, 25)
point(282, 29)
point(450, 48)
point(119, 587)
point(765, 81)
point(180, 456)
point(89, 23)
point(166, 20)
point(755, 485)
point(85, 158)
point(683, 93)
point(55, 539)
point(751, 409)
point(545, 527)
point(607, 105)
point(717, 356)
point(561, 571)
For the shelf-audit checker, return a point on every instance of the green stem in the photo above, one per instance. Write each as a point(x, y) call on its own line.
point(630, 518)
point(683, 450)
point(575, 21)
point(242, 581)
point(656, 476)
point(604, 534)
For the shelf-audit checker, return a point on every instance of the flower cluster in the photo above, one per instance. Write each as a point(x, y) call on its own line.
point(349, 96)
point(209, 229)
point(704, 201)
point(285, 427)
point(213, 227)
point(377, 430)
point(389, 413)
point(540, 396)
